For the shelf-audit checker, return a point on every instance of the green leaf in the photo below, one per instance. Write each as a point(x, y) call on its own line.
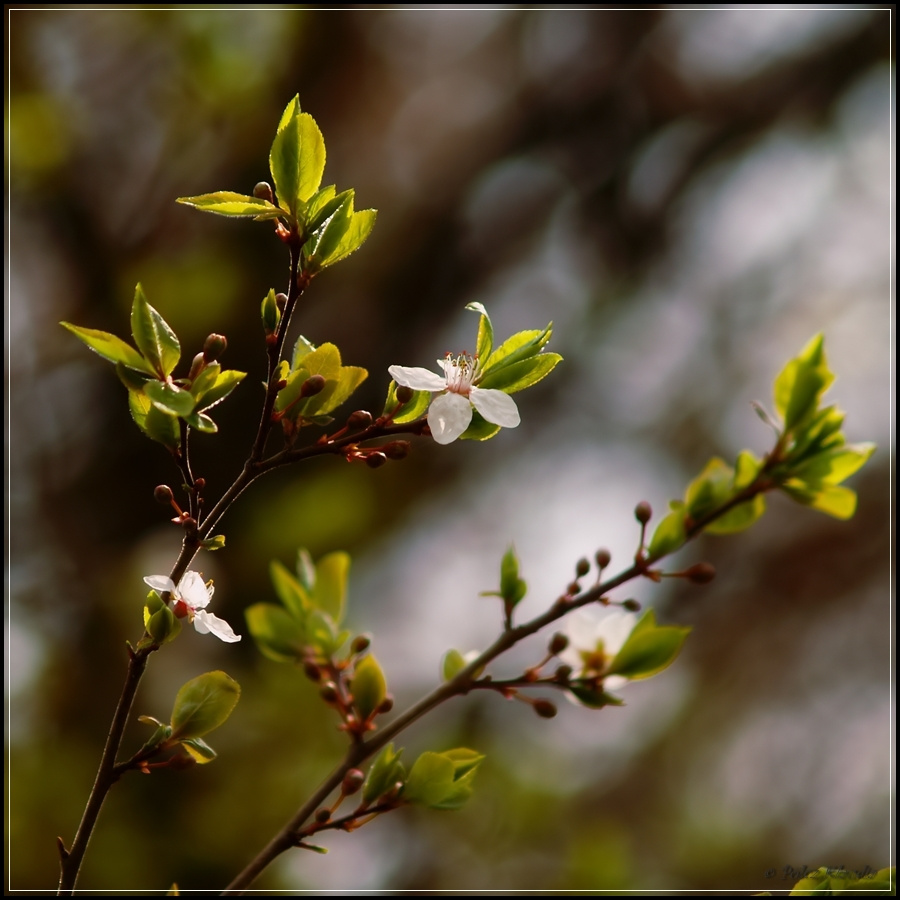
point(409, 412)
point(479, 430)
point(199, 750)
point(485, 342)
point(741, 517)
point(157, 425)
point(836, 501)
point(225, 383)
point(710, 489)
point(514, 349)
point(512, 588)
point(430, 780)
point(669, 534)
point(746, 468)
point(442, 780)
point(835, 465)
point(285, 158)
point(330, 591)
point(336, 393)
point(354, 235)
point(201, 422)
point(279, 635)
point(312, 157)
point(801, 382)
point(648, 650)
point(368, 687)
point(111, 347)
point(327, 238)
point(203, 704)
point(520, 375)
point(301, 349)
point(593, 698)
point(452, 664)
point(325, 361)
point(270, 313)
point(169, 398)
point(228, 203)
point(320, 206)
point(162, 625)
point(291, 593)
point(154, 338)
point(385, 772)
point(217, 542)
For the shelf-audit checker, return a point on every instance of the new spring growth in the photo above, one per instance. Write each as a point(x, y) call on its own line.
point(262, 190)
point(544, 708)
point(643, 512)
point(582, 567)
point(213, 347)
point(602, 558)
point(701, 573)
point(163, 495)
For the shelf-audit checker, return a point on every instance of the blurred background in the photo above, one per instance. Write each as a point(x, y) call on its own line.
point(689, 195)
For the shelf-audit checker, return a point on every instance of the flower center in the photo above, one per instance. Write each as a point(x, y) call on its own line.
point(460, 372)
point(595, 661)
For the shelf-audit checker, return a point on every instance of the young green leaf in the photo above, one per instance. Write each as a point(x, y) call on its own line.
point(414, 409)
point(670, 533)
point(291, 593)
point(368, 687)
point(279, 635)
point(330, 592)
point(153, 336)
point(203, 704)
point(228, 203)
point(385, 772)
point(353, 236)
point(452, 664)
point(111, 347)
point(169, 398)
point(523, 374)
point(199, 750)
point(648, 650)
point(485, 343)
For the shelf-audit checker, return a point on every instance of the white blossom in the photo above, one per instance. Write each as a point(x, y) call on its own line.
point(450, 413)
point(595, 637)
point(189, 599)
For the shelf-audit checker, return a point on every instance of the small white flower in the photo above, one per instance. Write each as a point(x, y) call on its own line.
point(594, 640)
point(190, 599)
point(450, 413)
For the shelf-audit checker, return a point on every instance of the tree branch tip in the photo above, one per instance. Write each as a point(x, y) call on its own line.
point(61, 847)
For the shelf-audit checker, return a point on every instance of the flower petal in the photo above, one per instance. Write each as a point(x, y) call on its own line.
point(193, 590)
point(449, 416)
point(207, 623)
point(495, 407)
point(417, 378)
point(161, 583)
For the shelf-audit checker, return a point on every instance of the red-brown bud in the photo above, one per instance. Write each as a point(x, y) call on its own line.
point(582, 567)
point(602, 558)
point(262, 190)
point(312, 386)
point(375, 460)
point(322, 815)
point(352, 782)
point(545, 709)
point(312, 671)
point(329, 692)
point(643, 512)
point(563, 673)
point(404, 394)
point(360, 419)
point(386, 705)
point(281, 301)
point(163, 495)
point(213, 347)
point(558, 643)
point(701, 573)
point(631, 605)
point(360, 643)
point(396, 450)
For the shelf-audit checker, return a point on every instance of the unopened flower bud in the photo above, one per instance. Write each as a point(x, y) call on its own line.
point(311, 670)
point(386, 705)
point(163, 495)
point(213, 347)
point(602, 558)
point(582, 567)
point(360, 419)
point(563, 672)
point(312, 386)
point(376, 460)
point(573, 588)
point(281, 300)
point(396, 450)
point(558, 643)
point(262, 190)
point(701, 573)
point(329, 692)
point(198, 364)
point(631, 605)
point(353, 781)
point(404, 394)
point(643, 512)
point(199, 484)
point(360, 643)
point(322, 815)
point(545, 709)
point(181, 761)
